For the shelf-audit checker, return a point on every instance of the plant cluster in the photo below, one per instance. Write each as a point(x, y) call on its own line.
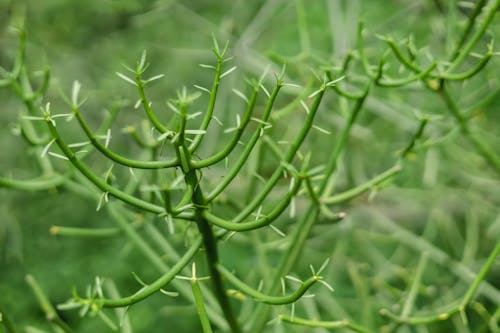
point(191, 197)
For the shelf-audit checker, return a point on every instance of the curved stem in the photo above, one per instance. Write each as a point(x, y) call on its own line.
point(470, 24)
point(356, 191)
point(146, 104)
point(248, 148)
point(234, 140)
point(118, 158)
point(324, 324)
point(482, 148)
point(35, 184)
point(209, 239)
point(402, 82)
point(465, 50)
point(287, 159)
point(261, 297)
point(260, 222)
point(210, 108)
point(99, 182)
point(151, 288)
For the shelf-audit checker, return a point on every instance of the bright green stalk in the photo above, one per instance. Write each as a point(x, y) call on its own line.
point(480, 276)
point(305, 224)
point(358, 190)
point(482, 147)
point(209, 239)
point(288, 159)
point(84, 232)
point(99, 182)
point(118, 158)
point(35, 184)
point(151, 288)
point(412, 294)
point(437, 255)
point(236, 136)
point(260, 222)
point(403, 82)
point(200, 306)
point(144, 100)
point(211, 104)
point(471, 72)
point(261, 297)
point(465, 50)
point(339, 324)
point(470, 24)
point(416, 137)
point(248, 147)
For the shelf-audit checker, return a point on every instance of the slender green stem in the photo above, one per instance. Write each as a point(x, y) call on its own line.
point(146, 104)
point(361, 51)
point(358, 190)
point(210, 107)
point(470, 24)
point(99, 182)
point(150, 288)
point(481, 276)
point(259, 198)
point(209, 239)
point(482, 147)
point(35, 184)
point(200, 306)
point(305, 224)
point(416, 137)
point(413, 78)
point(471, 72)
point(464, 51)
point(305, 43)
point(46, 306)
point(222, 154)
point(437, 255)
point(261, 297)
point(145, 248)
point(84, 232)
point(339, 324)
point(248, 147)
point(118, 158)
point(412, 294)
point(259, 222)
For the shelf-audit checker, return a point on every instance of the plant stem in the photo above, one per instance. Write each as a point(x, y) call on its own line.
point(482, 148)
point(305, 224)
point(209, 240)
point(46, 306)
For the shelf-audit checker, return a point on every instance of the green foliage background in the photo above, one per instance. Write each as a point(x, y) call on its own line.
point(447, 197)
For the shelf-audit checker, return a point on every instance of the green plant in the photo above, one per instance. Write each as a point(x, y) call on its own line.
point(176, 184)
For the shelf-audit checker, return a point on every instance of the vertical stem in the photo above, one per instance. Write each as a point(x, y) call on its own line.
point(209, 240)
point(470, 24)
point(306, 223)
point(490, 155)
point(465, 50)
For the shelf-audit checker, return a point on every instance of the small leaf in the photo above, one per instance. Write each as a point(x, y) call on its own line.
point(156, 77)
point(240, 94)
point(74, 92)
point(229, 71)
point(202, 88)
point(126, 78)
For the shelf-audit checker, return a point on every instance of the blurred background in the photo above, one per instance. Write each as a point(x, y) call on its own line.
point(447, 196)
